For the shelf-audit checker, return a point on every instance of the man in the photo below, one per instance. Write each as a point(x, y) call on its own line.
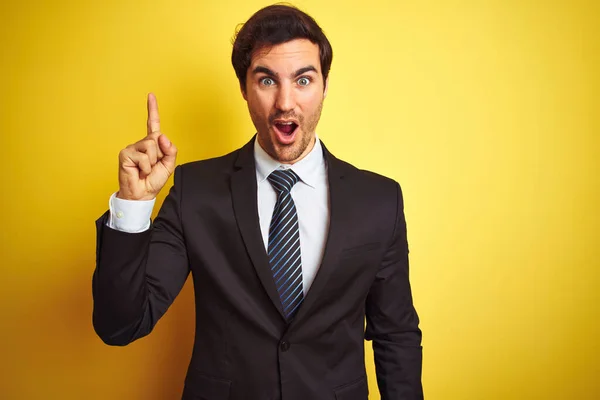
point(289, 248)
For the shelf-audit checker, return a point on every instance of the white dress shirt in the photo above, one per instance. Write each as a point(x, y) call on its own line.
point(310, 194)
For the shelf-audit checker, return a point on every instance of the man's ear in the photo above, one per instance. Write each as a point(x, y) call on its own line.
point(243, 90)
point(326, 87)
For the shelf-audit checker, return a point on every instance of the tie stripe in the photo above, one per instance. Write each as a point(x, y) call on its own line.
point(284, 243)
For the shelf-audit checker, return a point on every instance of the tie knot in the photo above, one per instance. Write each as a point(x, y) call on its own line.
point(283, 180)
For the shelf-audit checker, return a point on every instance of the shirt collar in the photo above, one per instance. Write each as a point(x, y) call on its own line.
point(308, 169)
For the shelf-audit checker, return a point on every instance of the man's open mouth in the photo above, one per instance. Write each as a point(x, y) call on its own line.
point(287, 127)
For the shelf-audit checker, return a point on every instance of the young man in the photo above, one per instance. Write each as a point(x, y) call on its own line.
point(289, 248)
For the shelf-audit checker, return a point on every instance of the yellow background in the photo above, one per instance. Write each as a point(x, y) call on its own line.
point(486, 112)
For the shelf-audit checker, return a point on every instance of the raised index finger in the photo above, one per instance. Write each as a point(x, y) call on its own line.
point(153, 119)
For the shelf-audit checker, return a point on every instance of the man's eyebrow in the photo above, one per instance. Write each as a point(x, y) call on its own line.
point(305, 70)
point(260, 69)
point(264, 70)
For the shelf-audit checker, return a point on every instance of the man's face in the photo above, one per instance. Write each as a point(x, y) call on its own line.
point(285, 92)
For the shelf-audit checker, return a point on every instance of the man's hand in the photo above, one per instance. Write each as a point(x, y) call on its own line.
point(145, 166)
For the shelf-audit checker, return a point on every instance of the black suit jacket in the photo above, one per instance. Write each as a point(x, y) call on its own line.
point(244, 348)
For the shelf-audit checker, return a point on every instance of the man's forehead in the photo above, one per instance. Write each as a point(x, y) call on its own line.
point(295, 53)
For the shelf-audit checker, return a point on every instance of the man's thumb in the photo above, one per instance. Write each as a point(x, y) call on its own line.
point(166, 146)
point(169, 150)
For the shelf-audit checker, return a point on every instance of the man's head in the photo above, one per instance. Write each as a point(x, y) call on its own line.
point(282, 59)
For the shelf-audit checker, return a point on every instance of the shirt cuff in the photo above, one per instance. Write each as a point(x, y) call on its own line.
point(131, 216)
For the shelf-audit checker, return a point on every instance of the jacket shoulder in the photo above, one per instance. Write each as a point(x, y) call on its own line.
point(367, 177)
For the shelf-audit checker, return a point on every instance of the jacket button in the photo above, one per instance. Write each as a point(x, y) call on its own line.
point(284, 346)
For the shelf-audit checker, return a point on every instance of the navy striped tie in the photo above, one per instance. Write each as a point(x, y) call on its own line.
point(284, 243)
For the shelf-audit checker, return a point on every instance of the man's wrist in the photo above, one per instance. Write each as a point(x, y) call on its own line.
point(123, 196)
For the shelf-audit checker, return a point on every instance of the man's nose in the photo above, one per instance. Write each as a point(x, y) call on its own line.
point(285, 100)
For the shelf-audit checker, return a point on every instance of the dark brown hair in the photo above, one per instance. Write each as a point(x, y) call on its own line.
point(272, 25)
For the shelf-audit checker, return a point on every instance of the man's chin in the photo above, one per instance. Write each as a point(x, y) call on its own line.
point(292, 153)
point(287, 154)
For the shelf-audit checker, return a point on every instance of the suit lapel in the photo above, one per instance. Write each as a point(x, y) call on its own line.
point(339, 215)
point(245, 205)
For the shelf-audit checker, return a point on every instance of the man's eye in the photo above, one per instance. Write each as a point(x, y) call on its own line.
point(267, 81)
point(303, 81)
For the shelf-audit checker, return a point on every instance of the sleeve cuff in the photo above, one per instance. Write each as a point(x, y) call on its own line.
point(132, 216)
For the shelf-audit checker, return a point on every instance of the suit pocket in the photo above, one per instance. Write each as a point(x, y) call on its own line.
point(203, 387)
point(360, 249)
point(355, 390)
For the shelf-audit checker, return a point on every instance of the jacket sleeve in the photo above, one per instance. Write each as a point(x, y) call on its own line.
point(392, 322)
point(138, 275)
